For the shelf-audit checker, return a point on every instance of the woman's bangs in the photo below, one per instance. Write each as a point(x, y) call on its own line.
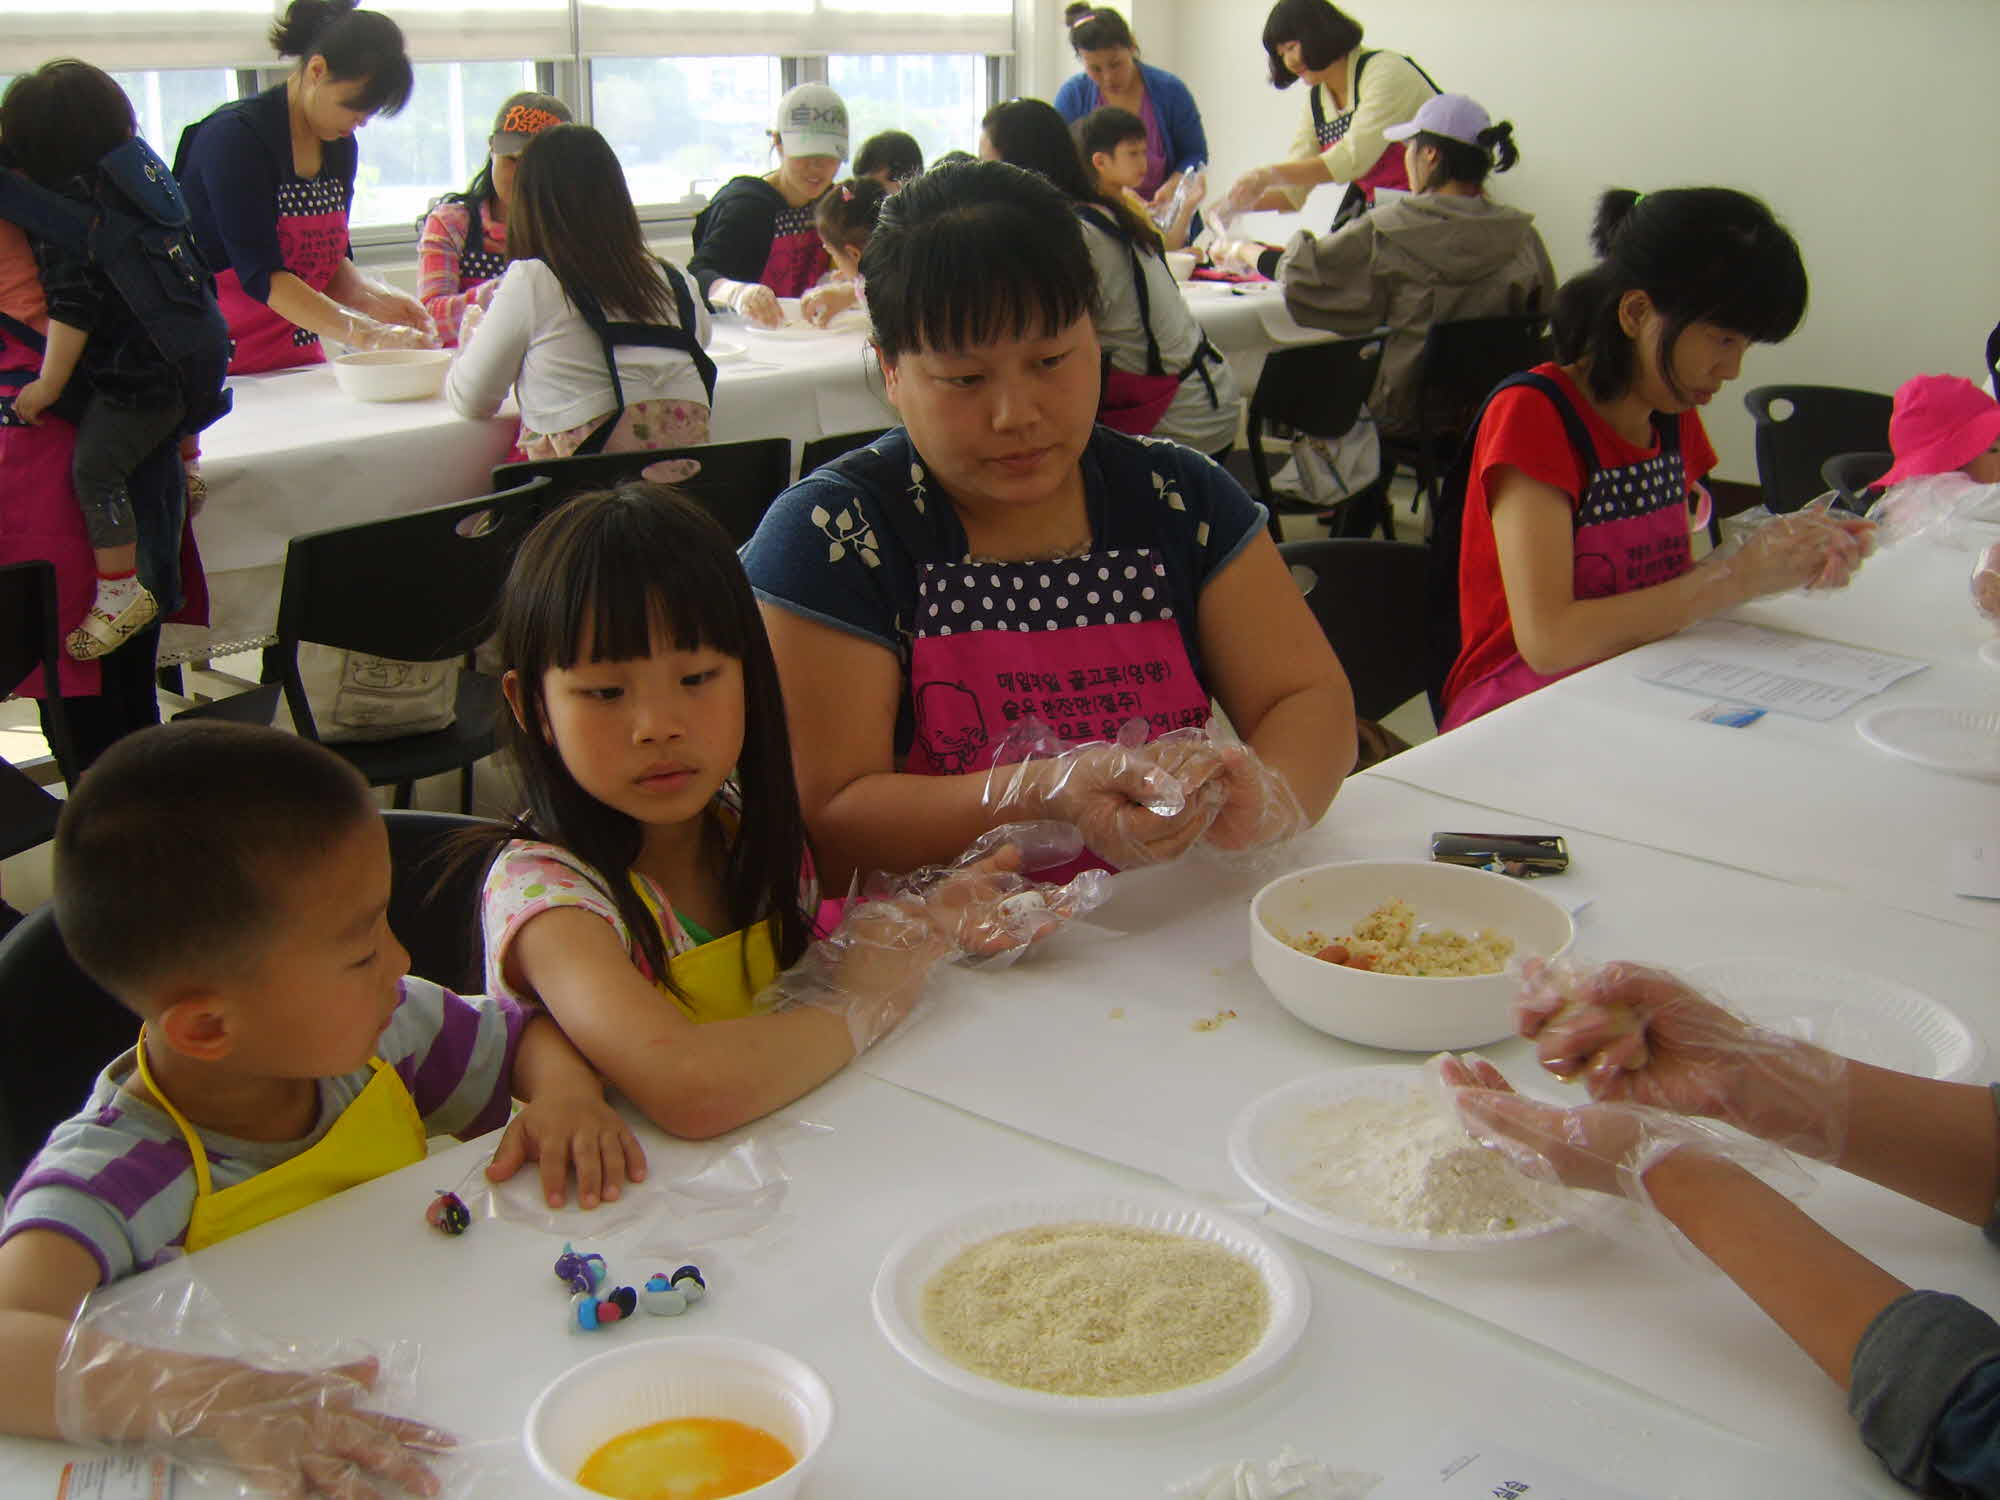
point(980, 286)
point(646, 581)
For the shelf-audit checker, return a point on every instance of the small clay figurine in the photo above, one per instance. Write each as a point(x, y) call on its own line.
point(448, 1214)
point(581, 1271)
point(688, 1282)
point(588, 1314)
point(661, 1298)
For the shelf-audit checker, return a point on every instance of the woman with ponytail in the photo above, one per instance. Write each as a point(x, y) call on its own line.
point(1445, 252)
point(1574, 542)
point(269, 181)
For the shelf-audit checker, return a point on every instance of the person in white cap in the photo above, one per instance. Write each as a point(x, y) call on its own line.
point(756, 240)
point(1444, 252)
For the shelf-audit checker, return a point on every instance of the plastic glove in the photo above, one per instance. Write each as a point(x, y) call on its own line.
point(1240, 256)
point(1642, 1036)
point(387, 304)
point(1986, 585)
point(1597, 1148)
point(822, 304)
point(752, 299)
point(359, 331)
point(1130, 808)
point(1247, 189)
point(871, 969)
point(1807, 549)
point(469, 321)
point(285, 1433)
point(1255, 806)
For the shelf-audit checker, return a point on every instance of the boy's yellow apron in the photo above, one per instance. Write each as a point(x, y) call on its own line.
point(377, 1133)
point(711, 979)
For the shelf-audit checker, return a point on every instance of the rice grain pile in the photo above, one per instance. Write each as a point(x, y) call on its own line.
point(1088, 1309)
point(1388, 942)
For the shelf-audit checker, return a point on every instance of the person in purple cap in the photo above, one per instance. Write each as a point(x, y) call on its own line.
point(1444, 252)
point(1941, 423)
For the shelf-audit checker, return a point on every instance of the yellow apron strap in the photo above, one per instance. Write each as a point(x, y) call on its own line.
point(203, 1185)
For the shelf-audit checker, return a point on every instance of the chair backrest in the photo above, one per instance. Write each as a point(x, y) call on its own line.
point(825, 450)
point(1371, 599)
point(1993, 358)
point(1464, 359)
point(736, 482)
point(29, 639)
point(1852, 476)
point(57, 1031)
point(1316, 389)
point(1799, 427)
point(417, 587)
point(257, 705)
point(434, 896)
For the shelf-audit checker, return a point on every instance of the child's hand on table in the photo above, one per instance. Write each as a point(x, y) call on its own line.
point(574, 1128)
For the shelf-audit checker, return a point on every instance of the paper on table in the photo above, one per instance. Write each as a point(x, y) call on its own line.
point(1463, 1466)
point(1792, 674)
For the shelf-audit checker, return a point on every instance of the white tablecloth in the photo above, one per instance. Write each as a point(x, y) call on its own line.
point(298, 456)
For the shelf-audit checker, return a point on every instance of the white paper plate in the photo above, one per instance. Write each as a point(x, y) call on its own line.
point(1264, 1149)
point(1961, 741)
point(899, 1291)
point(723, 351)
point(1862, 1016)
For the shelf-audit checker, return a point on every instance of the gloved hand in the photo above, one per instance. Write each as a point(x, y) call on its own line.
point(387, 304)
point(1130, 807)
point(1255, 807)
point(1986, 584)
point(1806, 549)
point(822, 304)
point(1598, 1148)
point(751, 299)
point(1240, 256)
point(871, 969)
point(284, 1433)
point(359, 331)
point(1247, 189)
point(1642, 1036)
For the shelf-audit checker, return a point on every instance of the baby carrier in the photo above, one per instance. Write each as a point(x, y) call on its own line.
point(135, 230)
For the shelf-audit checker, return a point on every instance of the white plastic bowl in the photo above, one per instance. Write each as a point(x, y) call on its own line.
point(1181, 263)
point(392, 374)
point(672, 1376)
point(1399, 1010)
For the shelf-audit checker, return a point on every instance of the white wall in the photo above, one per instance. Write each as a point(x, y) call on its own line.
point(1868, 125)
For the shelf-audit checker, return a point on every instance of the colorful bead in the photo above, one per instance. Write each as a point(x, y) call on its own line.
point(448, 1214)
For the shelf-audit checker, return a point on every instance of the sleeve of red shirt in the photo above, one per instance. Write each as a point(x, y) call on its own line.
point(1523, 430)
point(1697, 453)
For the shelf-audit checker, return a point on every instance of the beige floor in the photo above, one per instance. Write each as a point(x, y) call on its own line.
point(24, 879)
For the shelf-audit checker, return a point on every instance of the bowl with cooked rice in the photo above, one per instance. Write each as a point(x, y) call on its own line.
point(1404, 954)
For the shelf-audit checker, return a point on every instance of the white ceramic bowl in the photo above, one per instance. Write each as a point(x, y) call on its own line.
point(679, 1375)
point(391, 374)
point(1181, 263)
point(1400, 1010)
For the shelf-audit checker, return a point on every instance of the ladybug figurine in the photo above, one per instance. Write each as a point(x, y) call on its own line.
point(448, 1214)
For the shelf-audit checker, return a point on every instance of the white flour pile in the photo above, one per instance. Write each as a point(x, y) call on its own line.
point(1403, 1163)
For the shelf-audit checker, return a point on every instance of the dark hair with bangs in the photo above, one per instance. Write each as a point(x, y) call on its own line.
point(1460, 161)
point(362, 45)
point(616, 567)
point(847, 215)
point(1324, 32)
point(893, 151)
point(58, 120)
point(571, 210)
point(1029, 133)
point(1093, 28)
point(973, 252)
point(1702, 255)
point(1106, 130)
point(179, 854)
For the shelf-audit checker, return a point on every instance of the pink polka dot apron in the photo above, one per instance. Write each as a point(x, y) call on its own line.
point(1630, 531)
point(1389, 170)
point(798, 255)
point(312, 234)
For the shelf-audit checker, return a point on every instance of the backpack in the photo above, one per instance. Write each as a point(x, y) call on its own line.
point(136, 232)
point(1448, 518)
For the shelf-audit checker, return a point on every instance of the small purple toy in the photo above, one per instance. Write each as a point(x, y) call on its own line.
point(581, 1271)
point(448, 1214)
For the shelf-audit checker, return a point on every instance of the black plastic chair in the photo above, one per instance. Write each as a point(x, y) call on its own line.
point(1317, 390)
point(822, 451)
point(434, 896)
point(28, 640)
point(1370, 597)
point(1461, 362)
point(257, 705)
point(420, 588)
point(1799, 427)
point(736, 482)
point(1853, 476)
point(58, 1029)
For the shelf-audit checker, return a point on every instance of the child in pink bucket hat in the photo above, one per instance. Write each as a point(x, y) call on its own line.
point(1940, 423)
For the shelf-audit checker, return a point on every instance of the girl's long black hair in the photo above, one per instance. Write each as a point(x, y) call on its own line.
point(1029, 133)
point(572, 210)
point(621, 569)
point(1702, 255)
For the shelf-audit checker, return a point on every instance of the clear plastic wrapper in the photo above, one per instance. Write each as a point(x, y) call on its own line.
point(1130, 808)
point(1813, 549)
point(359, 331)
point(156, 1364)
point(738, 1193)
point(1935, 508)
point(1638, 1035)
point(1289, 1476)
point(1186, 197)
point(1986, 585)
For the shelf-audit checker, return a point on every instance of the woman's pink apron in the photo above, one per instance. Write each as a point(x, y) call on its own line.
point(312, 234)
